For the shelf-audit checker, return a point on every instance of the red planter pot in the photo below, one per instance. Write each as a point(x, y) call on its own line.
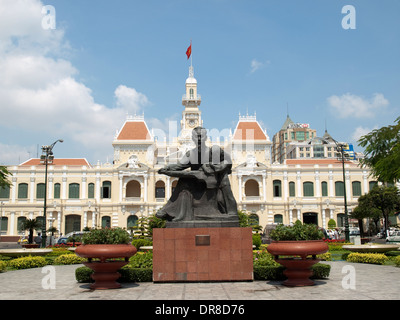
point(298, 270)
point(105, 272)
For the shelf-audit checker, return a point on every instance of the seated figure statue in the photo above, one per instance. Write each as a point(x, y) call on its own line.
point(203, 192)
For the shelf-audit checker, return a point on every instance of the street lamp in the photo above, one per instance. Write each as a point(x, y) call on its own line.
point(46, 158)
point(343, 155)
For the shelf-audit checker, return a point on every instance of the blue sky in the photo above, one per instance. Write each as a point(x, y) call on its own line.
point(108, 58)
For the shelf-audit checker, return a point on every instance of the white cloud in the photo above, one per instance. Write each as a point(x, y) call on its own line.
point(350, 105)
point(130, 100)
point(361, 131)
point(256, 65)
point(39, 92)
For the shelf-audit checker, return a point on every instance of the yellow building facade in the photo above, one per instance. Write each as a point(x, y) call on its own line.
point(81, 195)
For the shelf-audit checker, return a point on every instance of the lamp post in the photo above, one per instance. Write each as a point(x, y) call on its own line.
point(46, 158)
point(343, 154)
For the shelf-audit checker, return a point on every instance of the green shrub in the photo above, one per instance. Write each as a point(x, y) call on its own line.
point(263, 258)
point(141, 260)
point(82, 274)
point(320, 271)
point(3, 266)
point(397, 261)
point(27, 262)
point(372, 258)
point(295, 232)
point(269, 272)
point(58, 252)
point(273, 272)
point(128, 274)
point(337, 246)
point(141, 243)
point(68, 259)
point(331, 224)
point(327, 256)
point(106, 236)
point(257, 240)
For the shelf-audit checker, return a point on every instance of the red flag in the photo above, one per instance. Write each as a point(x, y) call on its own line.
point(189, 51)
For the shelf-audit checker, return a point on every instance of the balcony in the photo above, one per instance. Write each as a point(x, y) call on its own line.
point(191, 98)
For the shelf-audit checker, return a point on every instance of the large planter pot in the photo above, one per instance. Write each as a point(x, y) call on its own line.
point(105, 272)
point(298, 268)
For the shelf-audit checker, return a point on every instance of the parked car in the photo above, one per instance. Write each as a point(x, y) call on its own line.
point(395, 237)
point(64, 239)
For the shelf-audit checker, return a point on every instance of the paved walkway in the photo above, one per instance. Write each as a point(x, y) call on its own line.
point(347, 281)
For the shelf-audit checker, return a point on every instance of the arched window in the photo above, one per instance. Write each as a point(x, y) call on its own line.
point(20, 223)
point(251, 188)
point(4, 192)
point(106, 190)
point(57, 191)
point(73, 191)
point(160, 190)
point(277, 185)
point(3, 225)
point(339, 189)
point(91, 191)
point(308, 189)
point(292, 189)
point(191, 93)
point(372, 184)
point(254, 220)
point(278, 218)
point(324, 187)
point(132, 221)
point(40, 192)
point(133, 189)
point(105, 222)
point(72, 223)
point(356, 186)
point(23, 191)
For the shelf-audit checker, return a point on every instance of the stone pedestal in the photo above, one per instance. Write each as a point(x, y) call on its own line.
point(202, 254)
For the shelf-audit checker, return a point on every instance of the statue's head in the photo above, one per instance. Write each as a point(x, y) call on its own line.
point(199, 135)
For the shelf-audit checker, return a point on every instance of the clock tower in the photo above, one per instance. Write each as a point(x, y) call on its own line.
point(191, 115)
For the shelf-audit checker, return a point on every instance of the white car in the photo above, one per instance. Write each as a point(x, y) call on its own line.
point(395, 237)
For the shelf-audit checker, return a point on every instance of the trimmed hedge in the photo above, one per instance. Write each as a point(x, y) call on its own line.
point(128, 274)
point(27, 262)
point(3, 266)
point(320, 271)
point(68, 259)
point(397, 261)
point(372, 258)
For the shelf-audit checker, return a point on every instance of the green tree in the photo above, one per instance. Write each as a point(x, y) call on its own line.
point(382, 152)
point(30, 224)
point(381, 201)
point(4, 173)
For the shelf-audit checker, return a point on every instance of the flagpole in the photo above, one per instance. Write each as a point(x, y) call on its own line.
point(191, 55)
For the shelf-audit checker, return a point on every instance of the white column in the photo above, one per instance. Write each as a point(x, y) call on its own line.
point(94, 217)
point(85, 219)
point(83, 188)
point(365, 182)
point(240, 188)
point(59, 221)
point(32, 190)
point(323, 218)
point(64, 188)
point(299, 188)
point(14, 189)
point(290, 216)
point(264, 186)
point(50, 188)
point(168, 188)
point(331, 191)
point(317, 185)
point(120, 187)
point(12, 223)
point(330, 213)
point(145, 177)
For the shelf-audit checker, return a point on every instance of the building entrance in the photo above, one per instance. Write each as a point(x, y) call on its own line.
point(310, 218)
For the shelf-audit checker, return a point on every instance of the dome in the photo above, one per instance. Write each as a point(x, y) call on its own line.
point(191, 80)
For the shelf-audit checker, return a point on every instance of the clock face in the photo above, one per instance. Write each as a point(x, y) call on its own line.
point(192, 123)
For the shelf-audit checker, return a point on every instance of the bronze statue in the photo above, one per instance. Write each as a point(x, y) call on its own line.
point(203, 193)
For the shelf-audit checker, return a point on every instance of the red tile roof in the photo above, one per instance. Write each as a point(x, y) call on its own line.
point(249, 130)
point(134, 130)
point(58, 162)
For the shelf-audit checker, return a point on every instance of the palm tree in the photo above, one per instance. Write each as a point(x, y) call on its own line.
point(31, 224)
